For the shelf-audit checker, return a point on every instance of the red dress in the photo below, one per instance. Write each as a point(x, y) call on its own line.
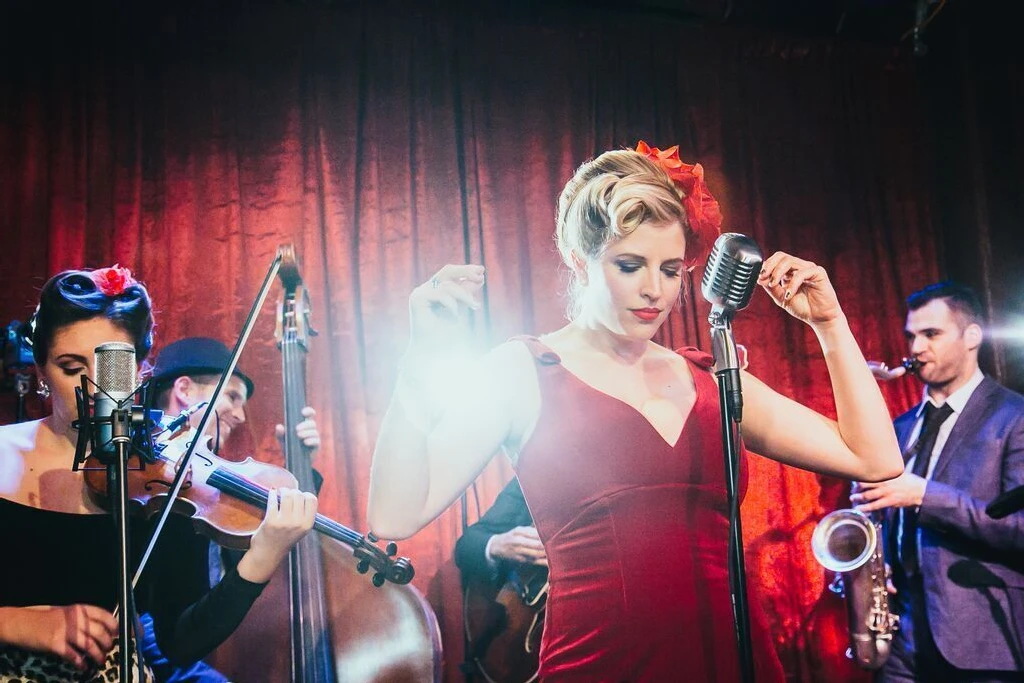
point(636, 533)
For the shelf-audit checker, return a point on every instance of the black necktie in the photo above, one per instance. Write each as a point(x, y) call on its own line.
point(922, 451)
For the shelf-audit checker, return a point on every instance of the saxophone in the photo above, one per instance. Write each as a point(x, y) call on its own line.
point(848, 542)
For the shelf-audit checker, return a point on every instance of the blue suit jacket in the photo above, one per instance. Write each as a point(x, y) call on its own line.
point(972, 566)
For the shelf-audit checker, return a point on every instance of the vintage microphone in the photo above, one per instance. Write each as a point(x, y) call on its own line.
point(730, 277)
point(728, 284)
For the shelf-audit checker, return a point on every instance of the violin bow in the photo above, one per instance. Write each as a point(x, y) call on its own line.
point(186, 458)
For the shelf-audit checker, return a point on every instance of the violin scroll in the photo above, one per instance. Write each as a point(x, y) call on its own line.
point(386, 568)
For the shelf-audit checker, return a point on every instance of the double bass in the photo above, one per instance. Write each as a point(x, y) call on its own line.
point(337, 625)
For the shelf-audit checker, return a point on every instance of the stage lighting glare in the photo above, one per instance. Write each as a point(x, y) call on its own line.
point(451, 374)
point(1012, 333)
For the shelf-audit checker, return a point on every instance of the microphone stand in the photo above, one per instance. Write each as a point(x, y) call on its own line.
point(730, 395)
point(114, 456)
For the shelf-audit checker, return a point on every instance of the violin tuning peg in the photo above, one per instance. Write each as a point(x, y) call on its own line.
point(363, 566)
point(378, 579)
point(371, 537)
point(391, 549)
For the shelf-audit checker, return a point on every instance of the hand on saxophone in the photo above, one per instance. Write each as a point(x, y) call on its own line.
point(883, 373)
point(906, 490)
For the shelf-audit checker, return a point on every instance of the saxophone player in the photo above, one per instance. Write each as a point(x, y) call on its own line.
point(958, 574)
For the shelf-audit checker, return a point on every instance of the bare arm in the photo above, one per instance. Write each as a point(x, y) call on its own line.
point(861, 444)
point(444, 423)
point(427, 454)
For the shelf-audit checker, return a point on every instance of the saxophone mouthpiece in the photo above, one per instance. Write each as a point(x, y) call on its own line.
point(911, 364)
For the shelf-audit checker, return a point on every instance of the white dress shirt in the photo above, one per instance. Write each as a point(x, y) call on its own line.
point(957, 401)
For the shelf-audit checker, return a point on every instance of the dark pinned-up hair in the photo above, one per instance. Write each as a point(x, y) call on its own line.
point(73, 296)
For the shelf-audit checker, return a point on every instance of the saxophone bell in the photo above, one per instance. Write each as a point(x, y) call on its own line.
point(847, 542)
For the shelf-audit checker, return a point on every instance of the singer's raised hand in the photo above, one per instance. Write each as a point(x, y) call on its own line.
point(436, 306)
point(800, 287)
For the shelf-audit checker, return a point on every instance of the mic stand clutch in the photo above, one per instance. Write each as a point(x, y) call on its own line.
point(730, 395)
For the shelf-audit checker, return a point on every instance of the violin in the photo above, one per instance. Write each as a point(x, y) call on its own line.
point(227, 500)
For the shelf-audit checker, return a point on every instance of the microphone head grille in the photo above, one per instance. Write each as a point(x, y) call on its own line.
point(115, 368)
point(731, 272)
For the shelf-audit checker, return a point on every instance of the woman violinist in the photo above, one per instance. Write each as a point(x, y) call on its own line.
point(58, 580)
point(616, 440)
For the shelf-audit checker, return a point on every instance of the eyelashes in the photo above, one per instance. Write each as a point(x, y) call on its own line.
point(629, 267)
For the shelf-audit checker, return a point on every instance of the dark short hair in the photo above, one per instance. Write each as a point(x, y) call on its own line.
point(73, 296)
point(961, 299)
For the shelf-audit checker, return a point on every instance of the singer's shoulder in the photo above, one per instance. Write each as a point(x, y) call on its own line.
point(701, 359)
point(18, 431)
point(19, 437)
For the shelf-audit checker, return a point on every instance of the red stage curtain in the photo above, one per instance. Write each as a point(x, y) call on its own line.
point(188, 142)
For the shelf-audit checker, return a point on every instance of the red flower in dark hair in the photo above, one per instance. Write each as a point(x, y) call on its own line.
point(702, 209)
point(112, 281)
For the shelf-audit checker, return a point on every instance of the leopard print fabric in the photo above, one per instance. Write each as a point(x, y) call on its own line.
point(24, 666)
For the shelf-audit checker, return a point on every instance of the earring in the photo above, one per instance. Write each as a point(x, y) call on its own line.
point(43, 390)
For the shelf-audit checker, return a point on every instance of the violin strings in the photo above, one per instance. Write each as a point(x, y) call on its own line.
point(234, 484)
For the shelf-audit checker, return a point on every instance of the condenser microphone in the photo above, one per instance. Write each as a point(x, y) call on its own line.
point(115, 385)
point(731, 274)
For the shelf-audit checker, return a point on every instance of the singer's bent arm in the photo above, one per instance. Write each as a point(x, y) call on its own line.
point(861, 445)
point(420, 469)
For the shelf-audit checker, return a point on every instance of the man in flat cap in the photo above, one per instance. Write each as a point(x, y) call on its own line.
point(187, 372)
point(185, 375)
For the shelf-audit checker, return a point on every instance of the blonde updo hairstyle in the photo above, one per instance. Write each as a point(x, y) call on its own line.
point(608, 198)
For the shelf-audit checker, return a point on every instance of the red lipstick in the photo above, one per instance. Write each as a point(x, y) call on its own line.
point(646, 314)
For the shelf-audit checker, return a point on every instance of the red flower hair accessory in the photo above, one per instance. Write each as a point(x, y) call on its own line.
point(114, 280)
point(702, 209)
